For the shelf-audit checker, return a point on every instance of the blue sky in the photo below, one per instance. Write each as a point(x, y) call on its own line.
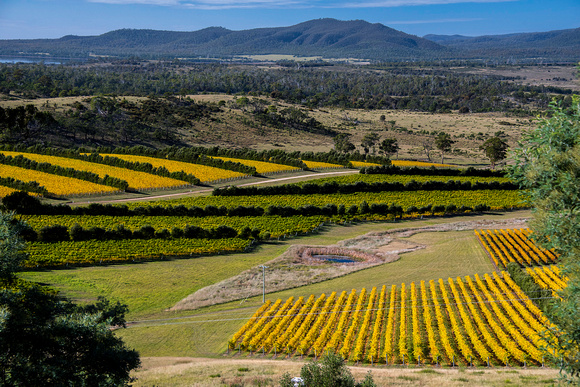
point(28, 19)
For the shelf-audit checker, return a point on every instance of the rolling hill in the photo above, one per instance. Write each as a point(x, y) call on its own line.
point(328, 38)
point(552, 44)
point(323, 37)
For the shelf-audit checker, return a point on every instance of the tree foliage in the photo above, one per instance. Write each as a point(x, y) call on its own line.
point(547, 166)
point(369, 141)
point(46, 340)
point(389, 146)
point(495, 150)
point(342, 143)
point(443, 142)
point(11, 246)
point(331, 371)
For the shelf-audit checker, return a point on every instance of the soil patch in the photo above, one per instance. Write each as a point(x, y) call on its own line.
point(300, 266)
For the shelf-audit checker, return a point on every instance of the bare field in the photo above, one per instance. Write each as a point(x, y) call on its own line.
point(468, 131)
point(558, 76)
point(411, 129)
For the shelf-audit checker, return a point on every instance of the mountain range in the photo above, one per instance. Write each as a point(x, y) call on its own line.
point(329, 38)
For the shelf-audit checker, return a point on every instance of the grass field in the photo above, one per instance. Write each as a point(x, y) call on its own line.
point(151, 288)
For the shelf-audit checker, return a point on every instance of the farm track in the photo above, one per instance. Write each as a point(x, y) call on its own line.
point(204, 191)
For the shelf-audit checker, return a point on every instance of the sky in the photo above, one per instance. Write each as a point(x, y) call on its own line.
point(32, 19)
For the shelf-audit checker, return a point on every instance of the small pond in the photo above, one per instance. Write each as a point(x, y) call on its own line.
point(335, 258)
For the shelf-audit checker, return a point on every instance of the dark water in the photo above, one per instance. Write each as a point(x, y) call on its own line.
point(335, 258)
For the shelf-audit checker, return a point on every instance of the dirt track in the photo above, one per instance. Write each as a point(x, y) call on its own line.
point(324, 174)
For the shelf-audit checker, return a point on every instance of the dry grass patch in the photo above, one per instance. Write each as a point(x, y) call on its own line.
point(258, 371)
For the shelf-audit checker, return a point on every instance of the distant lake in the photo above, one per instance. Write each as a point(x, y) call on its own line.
point(31, 60)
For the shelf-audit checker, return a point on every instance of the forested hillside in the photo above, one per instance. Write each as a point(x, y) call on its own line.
point(325, 38)
point(553, 44)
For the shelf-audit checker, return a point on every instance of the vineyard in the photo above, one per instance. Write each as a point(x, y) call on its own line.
point(137, 180)
point(163, 241)
point(548, 277)
point(261, 166)
point(361, 164)
point(350, 179)
point(485, 320)
point(55, 184)
point(320, 165)
point(202, 172)
point(505, 246)
point(495, 199)
point(275, 225)
point(93, 252)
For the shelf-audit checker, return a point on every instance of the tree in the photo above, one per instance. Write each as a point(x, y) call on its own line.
point(427, 147)
point(389, 146)
point(331, 371)
point(47, 340)
point(495, 149)
point(547, 167)
point(11, 249)
point(342, 143)
point(443, 142)
point(369, 141)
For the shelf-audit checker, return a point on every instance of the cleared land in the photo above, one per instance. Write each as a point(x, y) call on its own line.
point(235, 127)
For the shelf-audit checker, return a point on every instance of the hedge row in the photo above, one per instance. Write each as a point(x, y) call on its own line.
point(431, 171)
point(360, 186)
point(28, 186)
point(22, 203)
point(60, 233)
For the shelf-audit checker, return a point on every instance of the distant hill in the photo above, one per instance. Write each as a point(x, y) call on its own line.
point(551, 44)
point(329, 38)
point(323, 37)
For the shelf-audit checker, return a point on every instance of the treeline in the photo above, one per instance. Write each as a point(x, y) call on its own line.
point(276, 156)
point(23, 123)
point(313, 87)
point(334, 157)
point(23, 162)
point(24, 204)
point(19, 185)
point(294, 158)
point(60, 233)
point(431, 171)
point(383, 209)
point(361, 186)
